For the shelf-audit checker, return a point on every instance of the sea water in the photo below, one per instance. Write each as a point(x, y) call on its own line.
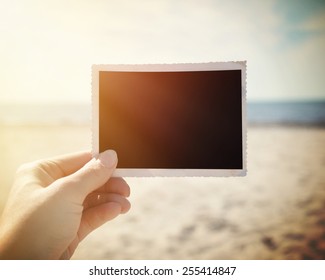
point(300, 113)
point(303, 113)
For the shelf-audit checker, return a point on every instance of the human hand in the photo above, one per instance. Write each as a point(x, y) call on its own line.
point(55, 203)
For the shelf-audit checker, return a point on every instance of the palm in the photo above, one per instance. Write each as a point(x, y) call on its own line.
point(80, 215)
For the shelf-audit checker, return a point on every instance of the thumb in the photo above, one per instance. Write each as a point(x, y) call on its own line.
point(92, 175)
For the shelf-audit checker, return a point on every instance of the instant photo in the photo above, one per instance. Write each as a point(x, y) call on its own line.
point(172, 120)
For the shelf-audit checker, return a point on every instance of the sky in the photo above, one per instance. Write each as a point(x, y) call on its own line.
point(47, 47)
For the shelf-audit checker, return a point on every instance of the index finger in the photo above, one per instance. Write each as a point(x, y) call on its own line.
point(115, 185)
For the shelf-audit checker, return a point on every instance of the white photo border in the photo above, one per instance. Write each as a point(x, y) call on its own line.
point(145, 172)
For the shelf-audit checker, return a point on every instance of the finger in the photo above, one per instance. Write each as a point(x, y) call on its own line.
point(115, 185)
point(70, 163)
point(64, 165)
point(49, 170)
point(95, 199)
point(90, 177)
point(97, 216)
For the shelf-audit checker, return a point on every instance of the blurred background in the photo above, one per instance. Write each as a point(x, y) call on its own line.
point(276, 212)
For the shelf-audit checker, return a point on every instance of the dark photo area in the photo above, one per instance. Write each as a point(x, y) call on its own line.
point(173, 120)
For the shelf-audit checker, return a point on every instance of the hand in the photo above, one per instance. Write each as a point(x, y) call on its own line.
point(55, 203)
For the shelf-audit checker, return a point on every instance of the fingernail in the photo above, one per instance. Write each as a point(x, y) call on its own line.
point(108, 158)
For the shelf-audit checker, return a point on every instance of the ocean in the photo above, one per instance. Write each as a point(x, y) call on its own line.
point(43, 114)
point(297, 113)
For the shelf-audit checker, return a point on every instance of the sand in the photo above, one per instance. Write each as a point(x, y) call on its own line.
point(276, 212)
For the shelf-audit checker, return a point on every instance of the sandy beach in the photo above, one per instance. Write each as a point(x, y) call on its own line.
point(276, 212)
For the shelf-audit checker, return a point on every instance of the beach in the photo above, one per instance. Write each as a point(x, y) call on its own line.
point(276, 212)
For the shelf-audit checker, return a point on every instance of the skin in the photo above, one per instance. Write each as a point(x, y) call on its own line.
point(55, 203)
